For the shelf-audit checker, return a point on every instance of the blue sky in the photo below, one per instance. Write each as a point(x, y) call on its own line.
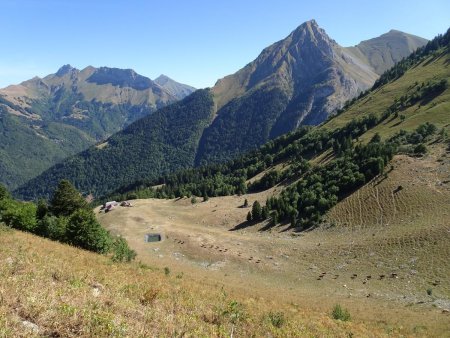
point(192, 41)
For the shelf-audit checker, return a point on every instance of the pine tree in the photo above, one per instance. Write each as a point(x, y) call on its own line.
point(265, 213)
point(249, 216)
point(66, 199)
point(256, 211)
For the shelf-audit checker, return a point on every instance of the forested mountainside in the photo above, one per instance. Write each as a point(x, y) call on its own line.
point(240, 125)
point(42, 121)
point(162, 142)
point(404, 112)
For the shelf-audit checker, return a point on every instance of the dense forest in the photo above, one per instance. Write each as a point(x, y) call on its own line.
point(243, 124)
point(62, 125)
point(162, 142)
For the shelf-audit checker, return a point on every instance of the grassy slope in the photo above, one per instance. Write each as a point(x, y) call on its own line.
point(377, 231)
point(433, 68)
point(69, 292)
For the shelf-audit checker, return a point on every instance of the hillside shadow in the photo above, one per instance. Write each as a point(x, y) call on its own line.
point(242, 225)
point(435, 58)
point(430, 97)
point(396, 124)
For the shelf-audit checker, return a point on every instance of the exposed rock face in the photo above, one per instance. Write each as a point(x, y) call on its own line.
point(382, 52)
point(121, 78)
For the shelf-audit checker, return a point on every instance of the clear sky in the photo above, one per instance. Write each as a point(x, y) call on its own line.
point(192, 41)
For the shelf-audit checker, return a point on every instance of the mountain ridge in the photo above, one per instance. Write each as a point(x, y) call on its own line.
point(297, 80)
point(310, 74)
point(44, 120)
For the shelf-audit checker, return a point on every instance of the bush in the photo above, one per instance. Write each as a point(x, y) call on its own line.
point(4, 193)
point(276, 319)
point(85, 232)
point(340, 313)
point(420, 149)
point(53, 227)
point(121, 251)
point(235, 312)
point(19, 215)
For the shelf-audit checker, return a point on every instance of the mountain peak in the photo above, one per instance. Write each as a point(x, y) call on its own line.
point(179, 90)
point(120, 77)
point(310, 26)
point(310, 32)
point(162, 79)
point(64, 70)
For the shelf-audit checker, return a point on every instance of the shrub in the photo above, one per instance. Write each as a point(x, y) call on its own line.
point(429, 291)
point(235, 312)
point(53, 227)
point(19, 215)
point(85, 232)
point(276, 319)
point(4, 193)
point(420, 149)
point(340, 313)
point(256, 211)
point(249, 216)
point(121, 251)
point(149, 296)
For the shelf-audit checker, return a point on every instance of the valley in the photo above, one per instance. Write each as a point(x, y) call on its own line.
point(384, 250)
point(305, 194)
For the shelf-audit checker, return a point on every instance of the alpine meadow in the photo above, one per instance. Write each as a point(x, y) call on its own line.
point(306, 194)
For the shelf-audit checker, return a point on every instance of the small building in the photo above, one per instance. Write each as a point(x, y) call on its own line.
point(153, 238)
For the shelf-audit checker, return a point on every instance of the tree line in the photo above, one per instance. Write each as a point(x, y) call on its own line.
point(67, 218)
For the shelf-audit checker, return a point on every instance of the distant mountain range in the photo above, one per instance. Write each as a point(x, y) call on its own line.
point(301, 79)
point(42, 121)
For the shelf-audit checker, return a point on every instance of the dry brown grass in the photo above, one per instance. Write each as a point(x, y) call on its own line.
point(376, 233)
point(68, 292)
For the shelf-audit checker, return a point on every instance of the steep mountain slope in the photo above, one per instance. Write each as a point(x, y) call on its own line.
point(301, 79)
point(158, 143)
point(178, 90)
point(378, 226)
point(46, 120)
point(382, 52)
point(409, 111)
